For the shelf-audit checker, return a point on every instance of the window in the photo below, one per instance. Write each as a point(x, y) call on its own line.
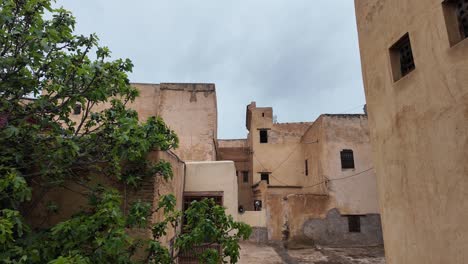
point(245, 176)
point(306, 167)
point(263, 114)
point(347, 159)
point(354, 223)
point(77, 109)
point(265, 177)
point(401, 56)
point(456, 18)
point(263, 136)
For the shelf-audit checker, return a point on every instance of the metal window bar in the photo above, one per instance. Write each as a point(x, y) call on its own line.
point(406, 56)
point(347, 159)
point(462, 14)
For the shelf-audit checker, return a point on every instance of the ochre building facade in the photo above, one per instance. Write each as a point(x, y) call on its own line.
point(415, 67)
point(310, 182)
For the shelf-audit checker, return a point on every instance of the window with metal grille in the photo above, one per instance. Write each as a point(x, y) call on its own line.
point(265, 177)
point(77, 109)
point(354, 223)
point(456, 18)
point(306, 167)
point(347, 159)
point(245, 176)
point(462, 14)
point(263, 136)
point(402, 58)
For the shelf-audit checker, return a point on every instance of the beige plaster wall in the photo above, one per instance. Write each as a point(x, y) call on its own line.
point(187, 108)
point(282, 155)
point(419, 130)
point(253, 218)
point(191, 111)
point(214, 176)
point(353, 190)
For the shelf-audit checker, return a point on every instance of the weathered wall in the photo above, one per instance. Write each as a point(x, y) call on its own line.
point(282, 155)
point(187, 108)
point(419, 131)
point(354, 190)
point(238, 150)
point(293, 198)
point(191, 111)
point(214, 176)
point(333, 230)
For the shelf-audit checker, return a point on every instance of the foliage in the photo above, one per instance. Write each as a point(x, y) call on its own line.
point(46, 145)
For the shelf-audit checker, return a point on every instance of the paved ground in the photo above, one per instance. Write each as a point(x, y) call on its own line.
point(265, 254)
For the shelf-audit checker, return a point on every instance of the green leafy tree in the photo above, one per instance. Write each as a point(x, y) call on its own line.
point(43, 145)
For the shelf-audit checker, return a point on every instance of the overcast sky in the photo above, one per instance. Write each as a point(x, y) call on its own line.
point(300, 57)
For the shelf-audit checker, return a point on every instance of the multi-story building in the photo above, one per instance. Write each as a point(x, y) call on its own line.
point(309, 182)
point(415, 66)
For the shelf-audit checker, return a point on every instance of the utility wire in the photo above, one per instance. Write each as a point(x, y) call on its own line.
point(339, 179)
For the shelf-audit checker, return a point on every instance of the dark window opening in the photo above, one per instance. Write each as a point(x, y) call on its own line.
point(245, 176)
point(354, 223)
point(77, 109)
point(456, 18)
point(263, 136)
point(402, 58)
point(347, 159)
point(263, 114)
point(306, 167)
point(265, 177)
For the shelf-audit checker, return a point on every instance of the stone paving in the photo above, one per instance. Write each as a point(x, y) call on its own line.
point(269, 254)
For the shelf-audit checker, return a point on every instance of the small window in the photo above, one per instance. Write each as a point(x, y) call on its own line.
point(347, 159)
point(245, 176)
point(306, 167)
point(263, 136)
point(354, 223)
point(401, 56)
point(263, 114)
point(456, 18)
point(77, 109)
point(265, 177)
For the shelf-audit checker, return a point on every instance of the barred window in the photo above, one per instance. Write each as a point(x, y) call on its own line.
point(401, 55)
point(456, 18)
point(347, 159)
point(462, 13)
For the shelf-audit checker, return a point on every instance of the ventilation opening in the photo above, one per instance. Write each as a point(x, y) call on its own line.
point(401, 56)
point(306, 167)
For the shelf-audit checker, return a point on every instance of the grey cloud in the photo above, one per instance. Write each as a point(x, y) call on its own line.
point(299, 56)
